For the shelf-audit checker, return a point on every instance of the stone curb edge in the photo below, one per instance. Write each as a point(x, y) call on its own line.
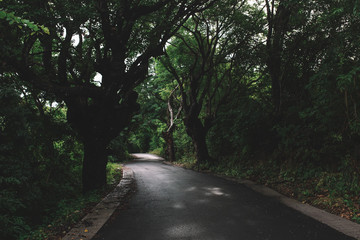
point(340, 224)
point(100, 214)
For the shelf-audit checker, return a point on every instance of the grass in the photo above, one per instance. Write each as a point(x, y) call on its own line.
point(114, 173)
point(157, 151)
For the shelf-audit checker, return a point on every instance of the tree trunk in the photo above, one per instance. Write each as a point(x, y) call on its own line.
point(276, 90)
point(168, 134)
point(201, 149)
point(198, 132)
point(278, 26)
point(170, 148)
point(94, 165)
point(97, 122)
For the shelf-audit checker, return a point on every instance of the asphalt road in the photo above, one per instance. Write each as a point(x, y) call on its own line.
point(174, 203)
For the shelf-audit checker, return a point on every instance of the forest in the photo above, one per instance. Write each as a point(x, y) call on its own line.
point(265, 90)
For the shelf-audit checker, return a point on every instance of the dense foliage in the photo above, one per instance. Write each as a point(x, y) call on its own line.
point(267, 90)
point(40, 158)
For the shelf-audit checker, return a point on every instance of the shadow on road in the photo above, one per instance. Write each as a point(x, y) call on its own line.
point(174, 203)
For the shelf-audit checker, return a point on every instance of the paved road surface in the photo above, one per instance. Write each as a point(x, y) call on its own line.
point(174, 203)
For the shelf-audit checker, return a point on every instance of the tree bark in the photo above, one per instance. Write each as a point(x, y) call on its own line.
point(198, 137)
point(94, 165)
point(97, 121)
point(278, 26)
point(170, 148)
point(168, 134)
point(197, 131)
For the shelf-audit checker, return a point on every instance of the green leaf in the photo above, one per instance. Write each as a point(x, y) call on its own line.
point(45, 30)
point(2, 14)
point(25, 21)
point(17, 19)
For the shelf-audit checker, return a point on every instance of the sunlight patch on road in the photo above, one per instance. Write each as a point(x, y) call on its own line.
point(215, 191)
point(185, 231)
point(179, 206)
point(190, 189)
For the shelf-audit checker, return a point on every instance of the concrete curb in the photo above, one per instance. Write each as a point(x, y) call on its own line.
point(100, 214)
point(340, 224)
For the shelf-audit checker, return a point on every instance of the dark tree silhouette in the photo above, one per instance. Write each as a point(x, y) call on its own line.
point(116, 39)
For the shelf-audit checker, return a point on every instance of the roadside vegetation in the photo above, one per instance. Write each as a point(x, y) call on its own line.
point(262, 90)
point(333, 191)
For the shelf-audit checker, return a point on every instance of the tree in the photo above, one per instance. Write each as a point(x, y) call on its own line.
point(278, 25)
point(201, 58)
point(334, 86)
point(293, 44)
point(172, 116)
point(116, 39)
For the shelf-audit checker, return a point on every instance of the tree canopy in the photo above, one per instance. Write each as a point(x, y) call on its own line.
point(115, 39)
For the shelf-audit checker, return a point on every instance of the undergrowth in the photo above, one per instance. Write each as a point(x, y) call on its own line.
point(69, 211)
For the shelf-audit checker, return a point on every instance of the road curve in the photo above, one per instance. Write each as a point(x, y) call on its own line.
point(174, 203)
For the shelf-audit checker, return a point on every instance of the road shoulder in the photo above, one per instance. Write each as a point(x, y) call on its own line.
point(343, 225)
point(338, 223)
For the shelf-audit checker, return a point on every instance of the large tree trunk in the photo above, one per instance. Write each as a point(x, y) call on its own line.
point(196, 130)
point(97, 122)
point(201, 149)
point(94, 165)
